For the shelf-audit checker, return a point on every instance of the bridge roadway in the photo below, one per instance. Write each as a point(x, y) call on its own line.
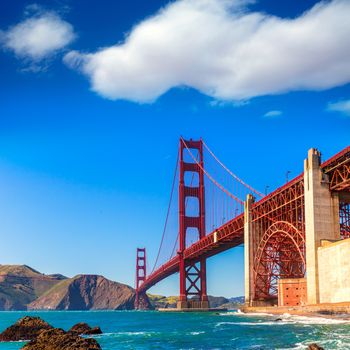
point(231, 234)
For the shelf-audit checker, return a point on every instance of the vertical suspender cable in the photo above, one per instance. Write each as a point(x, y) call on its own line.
point(168, 211)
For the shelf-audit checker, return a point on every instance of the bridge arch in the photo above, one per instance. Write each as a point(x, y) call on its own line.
point(279, 254)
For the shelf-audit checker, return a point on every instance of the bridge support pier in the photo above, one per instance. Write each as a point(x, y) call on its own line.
point(321, 218)
point(248, 251)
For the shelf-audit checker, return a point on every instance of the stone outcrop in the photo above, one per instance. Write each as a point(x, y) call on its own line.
point(26, 328)
point(84, 329)
point(314, 346)
point(87, 292)
point(42, 336)
point(58, 339)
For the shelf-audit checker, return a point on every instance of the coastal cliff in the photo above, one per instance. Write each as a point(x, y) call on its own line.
point(86, 292)
point(23, 288)
point(20, 285)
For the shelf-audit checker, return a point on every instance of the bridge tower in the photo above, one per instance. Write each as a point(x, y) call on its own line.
point(140, 275)
point(193, 287)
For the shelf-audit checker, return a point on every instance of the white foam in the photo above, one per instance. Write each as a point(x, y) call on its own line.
point(114, 334)
point(231, 313)
point(288, 318)
point(262, 323)
point(325, 343)
point(312, 319)
point(240, 313)
point(285, 319)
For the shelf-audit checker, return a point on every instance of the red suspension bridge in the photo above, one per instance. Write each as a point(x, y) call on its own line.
point(208, 215)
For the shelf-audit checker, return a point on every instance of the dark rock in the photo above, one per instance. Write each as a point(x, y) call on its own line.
point(84, 329)
point(26, 328)
point(278, 320)
point(314, 346)
point(144, 302)
point(58, 339)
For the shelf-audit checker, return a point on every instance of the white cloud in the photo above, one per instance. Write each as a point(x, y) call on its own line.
point(224, 51)
point(340, 106)
point(38, 37)
point(271, 114)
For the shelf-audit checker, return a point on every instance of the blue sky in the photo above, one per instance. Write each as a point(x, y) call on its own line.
point(88, 139)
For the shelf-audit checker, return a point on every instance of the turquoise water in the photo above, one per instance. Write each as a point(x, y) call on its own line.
point(232, 330)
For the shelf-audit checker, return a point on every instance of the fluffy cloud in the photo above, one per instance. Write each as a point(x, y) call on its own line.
point(39, 36)
point(273, 114)
point(221, 49)
point(340, 106)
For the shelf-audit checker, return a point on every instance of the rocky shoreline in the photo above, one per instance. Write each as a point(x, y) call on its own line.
point(42, 336)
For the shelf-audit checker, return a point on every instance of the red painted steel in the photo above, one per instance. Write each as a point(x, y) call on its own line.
point(141, 273)
point(279, 227)
point(338, 170)
point(279, 238)
point(192, 274)
point(280, 254)
point(344, 216)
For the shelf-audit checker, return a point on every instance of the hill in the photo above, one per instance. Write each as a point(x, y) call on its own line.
point(86, 292)
point(20, 285)
point(237, 300)
point(160, 301)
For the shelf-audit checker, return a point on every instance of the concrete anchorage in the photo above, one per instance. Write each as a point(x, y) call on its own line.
point(321, 219)
point(248, 251)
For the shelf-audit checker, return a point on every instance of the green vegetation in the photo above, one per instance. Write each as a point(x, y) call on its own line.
point(160, 301)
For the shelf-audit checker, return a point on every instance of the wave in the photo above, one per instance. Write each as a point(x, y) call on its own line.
point(262, 323)
point(285, 319)
point(241, 313)
point(325, 343)
point(288, 318)
point(118, 334)
point(311, 319)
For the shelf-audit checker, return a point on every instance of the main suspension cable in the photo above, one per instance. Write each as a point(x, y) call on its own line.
point(231, 173)
point(222, 188)
point(168, 211)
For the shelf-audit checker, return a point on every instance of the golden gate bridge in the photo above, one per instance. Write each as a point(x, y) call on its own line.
point(208, 214)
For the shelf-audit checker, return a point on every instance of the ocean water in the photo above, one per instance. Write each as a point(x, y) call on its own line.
point(224, 330)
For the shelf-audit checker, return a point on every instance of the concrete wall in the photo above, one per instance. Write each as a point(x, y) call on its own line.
point(334, 271)
point(248, 251)
point(321, 219)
